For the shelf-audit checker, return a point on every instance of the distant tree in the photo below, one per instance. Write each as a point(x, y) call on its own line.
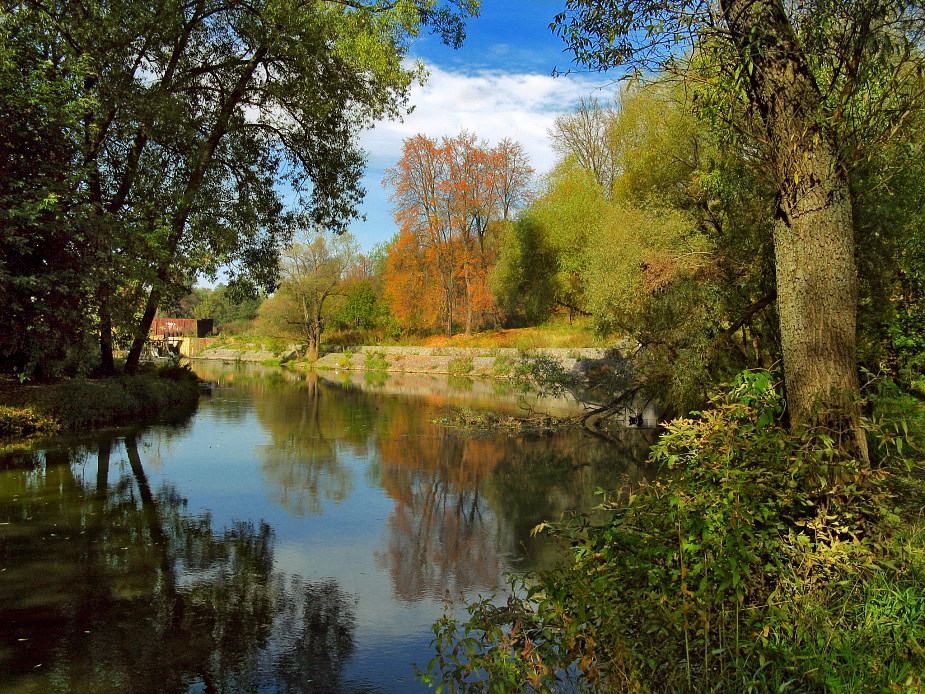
point(524, 279)
point(361, 309)
point(412, 272)
point(313, 272)
point(584, 136)
point(569, 208)
point(224, 305)
point(449, 197)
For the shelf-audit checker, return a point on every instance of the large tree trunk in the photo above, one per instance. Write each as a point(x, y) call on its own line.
point(314, 343)
point(817, 288)
point(141, 333)
point(817, 282)
point(468, 301)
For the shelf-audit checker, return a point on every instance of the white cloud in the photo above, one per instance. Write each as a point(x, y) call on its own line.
point(491, 104)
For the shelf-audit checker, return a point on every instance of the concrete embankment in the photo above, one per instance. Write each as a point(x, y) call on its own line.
point(245, 355)
point(453, 361)
point(461, 361)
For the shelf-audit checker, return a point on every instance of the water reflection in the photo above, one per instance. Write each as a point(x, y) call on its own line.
point(111, 585)
point(298, 534)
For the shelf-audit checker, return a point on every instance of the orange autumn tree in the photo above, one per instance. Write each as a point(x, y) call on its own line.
point(450, 197)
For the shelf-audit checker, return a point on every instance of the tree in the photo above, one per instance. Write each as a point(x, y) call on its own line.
point(47, 248)
point(361, 309)
point(569, 209)
point(524, 279)
point(449, 197)
point(313, 272)
point(201, 107)
point(807, 74)
point(584, 136)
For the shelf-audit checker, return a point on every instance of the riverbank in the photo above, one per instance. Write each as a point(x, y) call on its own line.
point(451, 361)
point(30, 409)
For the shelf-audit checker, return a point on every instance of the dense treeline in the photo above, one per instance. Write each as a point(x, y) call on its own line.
point(656, 225)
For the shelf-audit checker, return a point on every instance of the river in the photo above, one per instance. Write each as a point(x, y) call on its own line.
point(297, 533)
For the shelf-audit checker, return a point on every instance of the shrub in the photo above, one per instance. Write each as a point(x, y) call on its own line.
point(23, 421)
point(85, 403)
point(460, 366)
point(503, 367)
point(376, 361)
point(345, 360)
point(760, 560)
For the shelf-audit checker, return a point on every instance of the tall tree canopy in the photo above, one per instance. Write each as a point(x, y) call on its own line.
point(815, 88)
point(202, 114)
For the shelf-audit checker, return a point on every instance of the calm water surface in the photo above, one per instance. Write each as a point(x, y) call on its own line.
point(296, 534)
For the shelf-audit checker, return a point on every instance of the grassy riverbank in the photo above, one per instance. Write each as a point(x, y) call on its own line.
point(27, 409)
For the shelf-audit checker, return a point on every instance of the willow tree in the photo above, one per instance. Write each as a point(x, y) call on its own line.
point(814, 86)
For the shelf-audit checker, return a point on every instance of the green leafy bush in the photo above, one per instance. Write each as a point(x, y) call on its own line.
point(376, 361)
point(23, 421)
point(760, 560)
point(85, 403)
point(460, 366)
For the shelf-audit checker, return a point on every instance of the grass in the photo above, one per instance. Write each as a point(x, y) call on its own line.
point(252, 343)
point(556, 332)
point(91, 403)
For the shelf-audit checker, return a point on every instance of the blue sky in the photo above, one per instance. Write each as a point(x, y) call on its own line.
point(499, 84)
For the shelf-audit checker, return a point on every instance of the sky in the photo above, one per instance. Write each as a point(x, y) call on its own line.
point(499, 84)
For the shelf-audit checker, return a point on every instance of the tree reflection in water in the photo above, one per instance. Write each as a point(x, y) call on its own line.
point(464, 501)
point(108, 584)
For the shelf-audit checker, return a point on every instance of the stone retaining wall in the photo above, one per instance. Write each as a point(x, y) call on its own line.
point(460, 361)
point(455, 361)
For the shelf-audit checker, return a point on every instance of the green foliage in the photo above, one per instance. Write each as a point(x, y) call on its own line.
point(524, 278)
point(86, 403)
point(223, 305)
point(760, 560)
point(23, 421)
point(569, 211)
point(47, 245)
point(314, 270)
point(503, 367)
point(361, 308)
point(460, 366)
point(134, 160)
point(889, 218)
point(677, 255)
point(376, 361)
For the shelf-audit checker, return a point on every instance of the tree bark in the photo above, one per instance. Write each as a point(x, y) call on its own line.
point(817, 282)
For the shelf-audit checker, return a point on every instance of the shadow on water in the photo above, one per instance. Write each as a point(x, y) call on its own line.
point(350, 514)
point(111, 585)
